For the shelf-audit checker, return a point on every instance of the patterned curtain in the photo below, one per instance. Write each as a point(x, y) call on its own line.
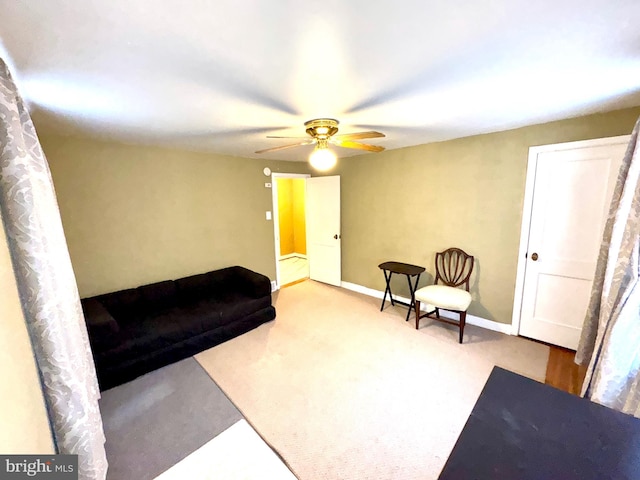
point(610, 341)
point(47, 287)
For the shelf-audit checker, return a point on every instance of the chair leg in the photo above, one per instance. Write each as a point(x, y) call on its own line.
point(417, 313)
point(463, 319)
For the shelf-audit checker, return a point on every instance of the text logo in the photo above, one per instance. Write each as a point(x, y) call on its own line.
point(51, 467)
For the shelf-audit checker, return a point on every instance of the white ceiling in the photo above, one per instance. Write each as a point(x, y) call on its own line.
point(221, 75)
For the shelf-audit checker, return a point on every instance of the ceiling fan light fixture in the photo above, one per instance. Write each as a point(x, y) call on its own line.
point(322, 159)
point(322, 131)
point(322, 127)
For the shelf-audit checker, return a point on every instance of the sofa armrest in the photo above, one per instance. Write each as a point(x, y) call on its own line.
point(252, 283)
point(101, 325)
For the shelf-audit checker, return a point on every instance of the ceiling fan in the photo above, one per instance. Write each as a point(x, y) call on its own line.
point(323, 132)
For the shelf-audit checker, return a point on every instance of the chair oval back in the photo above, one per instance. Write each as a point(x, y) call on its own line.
point(454, 267)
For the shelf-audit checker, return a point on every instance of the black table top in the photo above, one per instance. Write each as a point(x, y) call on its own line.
point(520, 429)
point(403, 268)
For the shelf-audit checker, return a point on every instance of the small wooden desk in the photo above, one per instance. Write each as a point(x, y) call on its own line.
point(389, 268)
point(525, 430)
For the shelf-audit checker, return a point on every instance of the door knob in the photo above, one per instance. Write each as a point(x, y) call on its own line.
point(534, 256)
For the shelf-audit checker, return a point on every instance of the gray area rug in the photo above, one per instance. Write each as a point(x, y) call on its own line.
point(158, 419)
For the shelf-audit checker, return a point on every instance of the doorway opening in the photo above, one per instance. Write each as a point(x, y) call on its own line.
point(289, 226)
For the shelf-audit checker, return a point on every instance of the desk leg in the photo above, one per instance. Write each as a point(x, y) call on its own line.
point(387, 289)
point(412, 289)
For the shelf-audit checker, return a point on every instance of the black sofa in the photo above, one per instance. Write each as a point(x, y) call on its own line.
point(138, 330)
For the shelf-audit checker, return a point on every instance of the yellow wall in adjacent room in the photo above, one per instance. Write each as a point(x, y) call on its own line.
point(291, 215)
point(409, 203)
point(298, 191)
point(134, 215)
point(285, 215)
point(24, 426)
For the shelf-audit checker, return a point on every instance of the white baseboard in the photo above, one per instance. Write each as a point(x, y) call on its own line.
point(274, 286)
point(291, 255)
point(471, 319)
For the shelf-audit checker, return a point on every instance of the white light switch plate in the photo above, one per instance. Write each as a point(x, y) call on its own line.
point(268, 215)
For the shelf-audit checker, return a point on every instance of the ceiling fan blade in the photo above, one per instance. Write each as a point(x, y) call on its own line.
point(276, 136)
point(284, 147)
point(211, 134)
point(357, 145)
point(358, 136)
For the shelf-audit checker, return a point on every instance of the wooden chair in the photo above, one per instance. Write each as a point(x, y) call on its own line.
point(453, 269)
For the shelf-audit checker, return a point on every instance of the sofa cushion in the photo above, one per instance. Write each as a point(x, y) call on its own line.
point(102, 327)
point(124, 305)
point(248, 282)
point(233, 306)
point(218, 283)
point(193, 288)
point(157, 297)
point(156, 332)
point(240, 279)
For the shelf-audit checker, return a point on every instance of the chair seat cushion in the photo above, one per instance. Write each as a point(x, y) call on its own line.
point(441, 296)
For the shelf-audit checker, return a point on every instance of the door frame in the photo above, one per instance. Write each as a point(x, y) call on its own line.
point(276, 216)
point(532, 164)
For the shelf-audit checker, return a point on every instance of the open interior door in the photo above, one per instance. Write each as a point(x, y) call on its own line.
point(571, 198)
point(323, 229)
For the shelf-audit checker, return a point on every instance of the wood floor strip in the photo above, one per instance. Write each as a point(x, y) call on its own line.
point(562, 372)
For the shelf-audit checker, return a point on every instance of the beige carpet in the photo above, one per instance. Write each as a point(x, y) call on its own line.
point(344, 391)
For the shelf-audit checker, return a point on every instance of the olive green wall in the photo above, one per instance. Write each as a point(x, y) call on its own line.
point(134, 215)
point(409, 203)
